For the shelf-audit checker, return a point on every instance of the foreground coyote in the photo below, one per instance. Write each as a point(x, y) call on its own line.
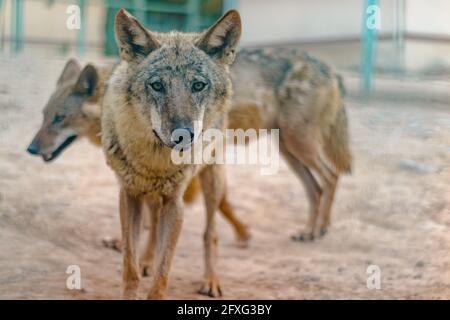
point(164, 83)
point(168, 81)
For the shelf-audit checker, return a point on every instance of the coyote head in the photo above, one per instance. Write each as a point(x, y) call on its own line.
point(177, 82)
point(64, 116)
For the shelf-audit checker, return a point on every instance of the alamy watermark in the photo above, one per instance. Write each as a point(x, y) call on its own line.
point(73, 281)
point(374, 278)
point(373, 17)
point(73, 21)
point(214, 146)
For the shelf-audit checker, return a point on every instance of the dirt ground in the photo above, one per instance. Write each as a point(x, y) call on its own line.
point(393, 212)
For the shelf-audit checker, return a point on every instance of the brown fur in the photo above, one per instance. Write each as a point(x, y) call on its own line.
point(192, 190)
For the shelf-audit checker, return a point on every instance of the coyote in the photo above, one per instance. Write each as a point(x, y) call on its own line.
point(282, 88)
point(168, 81)
point(74, 111)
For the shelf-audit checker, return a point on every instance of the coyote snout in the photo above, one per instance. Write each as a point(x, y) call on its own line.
point(183, 135)
point(49, 145)
point(176, 104)
point(67, 114)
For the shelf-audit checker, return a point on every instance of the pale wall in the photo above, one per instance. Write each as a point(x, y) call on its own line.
point(49, 22)
point(268, 21)
point(265, 21)
point(428, 17)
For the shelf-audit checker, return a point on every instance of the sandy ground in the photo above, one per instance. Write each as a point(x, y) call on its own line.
point(393, 212)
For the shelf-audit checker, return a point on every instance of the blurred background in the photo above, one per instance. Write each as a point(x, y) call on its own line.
point(393, 211)
point(411, 39)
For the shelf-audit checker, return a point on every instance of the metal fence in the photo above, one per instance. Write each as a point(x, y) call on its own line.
point(160, 15)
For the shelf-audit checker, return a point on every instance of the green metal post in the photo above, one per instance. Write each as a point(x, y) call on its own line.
point(399, 33)
point(229, 4)
point(17, 26)
point(2, 40)
point(81, 34)
point(141, 9)
point(193, 15)
point(369, 45)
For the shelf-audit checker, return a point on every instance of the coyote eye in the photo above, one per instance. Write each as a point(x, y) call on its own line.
point(58, 118)
point(157, 86)
point(198, 86)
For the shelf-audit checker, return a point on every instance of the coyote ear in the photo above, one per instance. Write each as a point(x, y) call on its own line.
point(221, 40)
point(71, 71)
point(134, 41)
point(87, 81)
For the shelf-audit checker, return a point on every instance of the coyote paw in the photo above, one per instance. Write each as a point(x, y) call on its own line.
point(309, 236)
point(211, 287)
point(323, 231)
point(155, 295)
point(129, 294)
point(146, 269)
point(243, 238)
point(112, 243)
point(303, 237)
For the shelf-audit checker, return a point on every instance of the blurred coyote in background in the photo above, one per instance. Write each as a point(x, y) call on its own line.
point(282, 88)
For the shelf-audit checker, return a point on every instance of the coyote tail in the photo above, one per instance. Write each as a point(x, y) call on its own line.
point(192, 190)
point(336, 145)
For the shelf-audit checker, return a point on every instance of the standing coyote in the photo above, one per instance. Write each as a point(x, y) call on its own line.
point(168, 81)
point(282, 88)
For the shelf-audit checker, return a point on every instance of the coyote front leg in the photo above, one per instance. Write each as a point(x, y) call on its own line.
point(213, 185)
point(168, 230)
point(146, 261)
point(130, 218)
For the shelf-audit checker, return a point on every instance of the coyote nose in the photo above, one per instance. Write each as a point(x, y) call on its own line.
point(183, 136)
point(33, 148)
